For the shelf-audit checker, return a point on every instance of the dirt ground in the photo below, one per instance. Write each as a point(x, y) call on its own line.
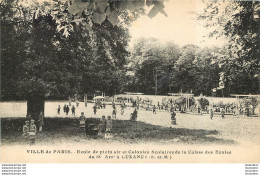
point(150, 128)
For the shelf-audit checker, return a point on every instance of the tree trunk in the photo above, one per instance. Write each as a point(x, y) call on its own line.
point(35, 105)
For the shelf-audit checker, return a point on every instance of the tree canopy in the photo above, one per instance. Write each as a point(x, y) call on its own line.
point(239, 22)
point(58, 48)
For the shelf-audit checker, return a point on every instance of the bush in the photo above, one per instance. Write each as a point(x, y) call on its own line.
point(249, 103)
point(203, 102)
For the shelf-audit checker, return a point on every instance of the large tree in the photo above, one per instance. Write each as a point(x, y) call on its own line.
point(239, 22)
point(52, 49)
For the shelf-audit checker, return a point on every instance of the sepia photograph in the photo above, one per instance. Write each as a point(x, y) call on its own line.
point(130, 81)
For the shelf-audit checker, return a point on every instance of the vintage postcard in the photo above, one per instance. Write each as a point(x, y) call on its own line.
point(131, 81)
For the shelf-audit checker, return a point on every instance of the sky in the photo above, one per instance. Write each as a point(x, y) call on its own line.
point(180, 26)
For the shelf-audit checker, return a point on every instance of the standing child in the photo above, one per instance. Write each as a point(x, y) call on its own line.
point(223, 113)
point(41, 121)
point(173, 118)
point(102, 125)
point(113, 104)
point(32, 132)
point(67, 109)
point(73, 110)
point(26, 128)
point(211, 114)
point(109, 126)
point(154, 109)
point(122, 109)
point(95, 109)
point(58, 110)
point(64, 108)
point(166, 107)
point(114, 113)
point(82, 120)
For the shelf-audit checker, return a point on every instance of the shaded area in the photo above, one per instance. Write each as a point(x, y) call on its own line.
point(57, 130)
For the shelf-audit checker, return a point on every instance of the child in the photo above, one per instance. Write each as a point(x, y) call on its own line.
point(223, 113)
point(114, 113)
point(154, 109)
point(173, 118)
point(102, 125)
point(41, 121)
point(32, 132)
point(82, 120)
point(73, 110)
point(198, 110)
point(113, 104)
point(64, 108)
point(122, 109)
point(67, 109)
point(95, 109)
point(211, 114)
point(26, 128)
point(109, 126)
point(59, 110)
point(172, 108)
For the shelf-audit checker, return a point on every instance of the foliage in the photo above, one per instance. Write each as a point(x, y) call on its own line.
point(203, 102)
point(150, 60)
point(182, 101)
point(38, 60)
point(196, 70)
point(250, 102)
point(84, 12)
point(238, 21)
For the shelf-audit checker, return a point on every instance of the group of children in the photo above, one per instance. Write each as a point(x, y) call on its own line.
point(212, 114)
point(66, 109)
point(104, 128)
point(29, 131)
point(30, 128)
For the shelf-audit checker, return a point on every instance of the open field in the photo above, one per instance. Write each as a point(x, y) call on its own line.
point(157, 128)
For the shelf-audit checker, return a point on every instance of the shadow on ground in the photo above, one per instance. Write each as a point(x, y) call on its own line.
point(58, 130)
